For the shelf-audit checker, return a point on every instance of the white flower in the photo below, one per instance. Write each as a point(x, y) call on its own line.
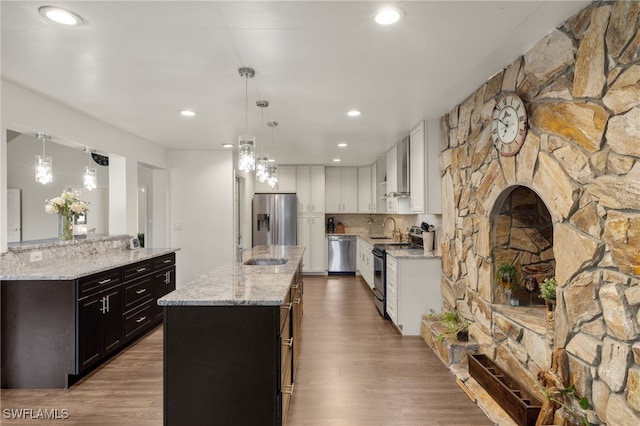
point(51, 208)
point(78, 207)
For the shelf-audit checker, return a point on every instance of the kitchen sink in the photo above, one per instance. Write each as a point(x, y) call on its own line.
point(266, 261)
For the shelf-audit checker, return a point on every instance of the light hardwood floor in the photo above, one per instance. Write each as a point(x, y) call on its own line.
point(354, 370)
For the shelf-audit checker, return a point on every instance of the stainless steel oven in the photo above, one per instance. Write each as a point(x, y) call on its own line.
point(380, 273)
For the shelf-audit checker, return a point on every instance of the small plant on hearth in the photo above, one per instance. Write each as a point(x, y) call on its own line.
point(507, 276)
point(548, 289)
point(457, 326)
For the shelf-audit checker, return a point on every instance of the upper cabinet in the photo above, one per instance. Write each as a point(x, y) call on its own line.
point(341, 189)
point(434, 182)
point(416, 168)
point(310, 189)
point(286, 182)
point(365, 190)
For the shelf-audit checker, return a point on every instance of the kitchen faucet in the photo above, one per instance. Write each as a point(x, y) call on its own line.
point(393, 233)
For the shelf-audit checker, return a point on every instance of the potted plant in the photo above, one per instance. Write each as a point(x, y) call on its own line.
point(457, 326)
point(548, 293)
point(508, 279)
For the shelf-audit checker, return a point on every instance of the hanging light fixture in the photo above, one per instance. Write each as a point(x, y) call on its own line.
point(90, 176)
point(262, 159)
point(44, 164)
point(272, 166)
point(246, 143)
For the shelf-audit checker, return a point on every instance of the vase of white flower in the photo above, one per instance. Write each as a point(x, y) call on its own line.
point(67, 206)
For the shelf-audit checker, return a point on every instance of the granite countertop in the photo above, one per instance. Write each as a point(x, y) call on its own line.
point(235, 283)
point(367, 238)
point(82, 266)
point(412, 254)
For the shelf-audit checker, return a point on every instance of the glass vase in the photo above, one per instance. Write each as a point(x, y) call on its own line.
point(65, 228)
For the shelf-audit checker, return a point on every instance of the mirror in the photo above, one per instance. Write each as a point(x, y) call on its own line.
point(28, 220)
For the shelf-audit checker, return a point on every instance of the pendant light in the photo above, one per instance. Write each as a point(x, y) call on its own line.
point(262, 159)
point(44, 164)
point(90, 176)
point(246, 143)
point(272, 166)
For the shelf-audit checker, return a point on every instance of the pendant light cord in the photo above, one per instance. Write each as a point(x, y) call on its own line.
point(246, 103)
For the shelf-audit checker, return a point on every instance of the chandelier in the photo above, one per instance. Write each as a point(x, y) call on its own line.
point(246, 143)
point(272, 166)
point(262, 159)
point(44, 164)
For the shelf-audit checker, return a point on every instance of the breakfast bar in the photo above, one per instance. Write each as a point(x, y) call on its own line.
point(230, 341)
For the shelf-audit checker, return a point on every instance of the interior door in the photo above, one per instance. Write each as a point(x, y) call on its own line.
point(14, 215)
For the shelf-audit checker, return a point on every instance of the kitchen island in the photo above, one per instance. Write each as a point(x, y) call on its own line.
point(231, 341)
point(78, 305)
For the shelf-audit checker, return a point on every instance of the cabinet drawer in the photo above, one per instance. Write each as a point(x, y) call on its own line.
point(164, 261)
point(97, 282)
point(137, 320)
point(137, 270)
point(137, 291)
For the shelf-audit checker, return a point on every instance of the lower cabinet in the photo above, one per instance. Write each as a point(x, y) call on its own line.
point(365, 261)
point(231, 365)
point(73, 325)
point(99, 326)
point(311, 235)
point(413, 289)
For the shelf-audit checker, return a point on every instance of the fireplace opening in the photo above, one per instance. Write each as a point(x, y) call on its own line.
point(523, 236)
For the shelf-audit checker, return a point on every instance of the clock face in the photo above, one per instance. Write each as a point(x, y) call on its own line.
point(509, 124)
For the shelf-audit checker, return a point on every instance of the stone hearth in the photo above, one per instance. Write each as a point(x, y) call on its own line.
point(581, 87)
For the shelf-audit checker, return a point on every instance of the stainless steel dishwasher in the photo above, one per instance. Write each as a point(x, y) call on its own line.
point(342, 254)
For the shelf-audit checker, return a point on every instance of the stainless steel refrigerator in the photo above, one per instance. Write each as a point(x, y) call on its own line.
point(275, 219)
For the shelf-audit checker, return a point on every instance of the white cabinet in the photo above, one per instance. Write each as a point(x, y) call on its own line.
point(310, 189)
point(365, 204)
point(286, 182)
point(341, 190)
point(364, 261)
point(434, 182)
point(416, 168)
point(374, 188)
point(413, 289)
point(311, 235)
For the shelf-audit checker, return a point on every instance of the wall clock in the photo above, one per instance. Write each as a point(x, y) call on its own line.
point(509, 124)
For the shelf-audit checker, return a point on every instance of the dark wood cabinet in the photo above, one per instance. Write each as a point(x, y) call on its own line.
point(99, 326)
point(231, 364)
point(56, 331)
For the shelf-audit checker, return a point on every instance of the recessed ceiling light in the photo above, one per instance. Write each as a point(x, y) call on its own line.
point(336, 160)
point(228, 145)
point(342, 145)
point(388, 15)
point(61, 16)
point(187, 113)
point(354, 113)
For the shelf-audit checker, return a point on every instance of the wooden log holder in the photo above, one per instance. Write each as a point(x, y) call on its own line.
point(520, 404)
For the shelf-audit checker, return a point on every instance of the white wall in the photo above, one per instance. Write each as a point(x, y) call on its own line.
point(25, 111)
point(201, 211)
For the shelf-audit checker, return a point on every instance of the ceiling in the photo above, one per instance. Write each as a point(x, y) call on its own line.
point(134, 64)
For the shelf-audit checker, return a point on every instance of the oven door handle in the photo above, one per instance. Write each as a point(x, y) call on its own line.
point(377, 294)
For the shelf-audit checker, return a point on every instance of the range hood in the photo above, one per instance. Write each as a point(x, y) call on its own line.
point(402, 169)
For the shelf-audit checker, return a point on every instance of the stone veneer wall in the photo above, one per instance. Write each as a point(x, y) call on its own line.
point(581, 86)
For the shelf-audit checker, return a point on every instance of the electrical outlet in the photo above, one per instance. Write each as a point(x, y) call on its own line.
point(35, 256)
point(177, 226)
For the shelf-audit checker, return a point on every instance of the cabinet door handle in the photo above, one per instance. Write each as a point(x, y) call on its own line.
point(288, 391)
point(167, 277)
point(103, 309)
point(297, 301)
point(167, 261)
point(288, 342)
point(295, 286)
point(141, 270)
point(287, 306)
point(142, 290)
point(139, 320)
point(108, 280)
